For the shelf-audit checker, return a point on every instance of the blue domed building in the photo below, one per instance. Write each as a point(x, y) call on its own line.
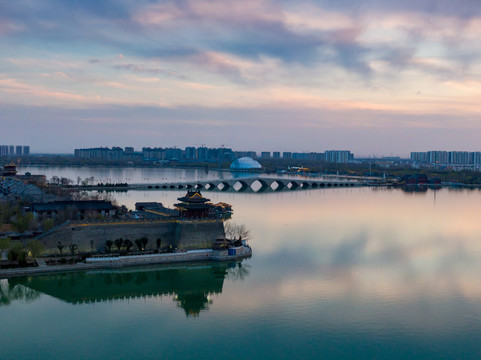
point(245, 163)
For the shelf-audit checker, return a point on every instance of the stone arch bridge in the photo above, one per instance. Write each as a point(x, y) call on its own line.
point(254, 184)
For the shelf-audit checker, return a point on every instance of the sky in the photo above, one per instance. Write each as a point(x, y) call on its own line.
point(375, 77)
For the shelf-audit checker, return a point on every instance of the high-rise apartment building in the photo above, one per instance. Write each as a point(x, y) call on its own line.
point(447, 157)
point(12, 150)
point(338, 156)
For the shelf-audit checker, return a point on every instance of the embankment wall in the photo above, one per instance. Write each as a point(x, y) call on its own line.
point(90, 237)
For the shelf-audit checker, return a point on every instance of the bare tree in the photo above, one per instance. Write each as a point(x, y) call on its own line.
point(236, 232)
point(66, 181)
point(229, 229)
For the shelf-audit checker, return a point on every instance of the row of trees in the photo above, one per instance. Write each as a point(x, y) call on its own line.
point(127, 244)
point(55, 180)
point(72, 247)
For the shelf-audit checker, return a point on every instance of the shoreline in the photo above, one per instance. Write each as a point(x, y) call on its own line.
point(131, 261)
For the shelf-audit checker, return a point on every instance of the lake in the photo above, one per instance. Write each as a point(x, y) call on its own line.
point(342, 273)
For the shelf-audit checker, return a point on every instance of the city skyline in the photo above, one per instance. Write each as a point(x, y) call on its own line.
point(377, 78)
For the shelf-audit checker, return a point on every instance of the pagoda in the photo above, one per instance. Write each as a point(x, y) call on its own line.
point(9, 170)
point(193, 205)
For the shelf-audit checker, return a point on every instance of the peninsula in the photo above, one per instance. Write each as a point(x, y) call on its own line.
point(67, 234)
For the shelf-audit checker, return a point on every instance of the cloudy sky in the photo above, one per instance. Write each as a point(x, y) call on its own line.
point(373, 76)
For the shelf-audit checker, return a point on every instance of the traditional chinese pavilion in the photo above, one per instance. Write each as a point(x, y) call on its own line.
point(9, 170)
point(193, 205)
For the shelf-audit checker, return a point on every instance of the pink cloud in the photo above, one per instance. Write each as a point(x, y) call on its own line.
point(15, 87)
point(222, 11)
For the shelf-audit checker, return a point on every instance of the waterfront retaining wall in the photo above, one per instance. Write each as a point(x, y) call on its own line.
point(173, 233)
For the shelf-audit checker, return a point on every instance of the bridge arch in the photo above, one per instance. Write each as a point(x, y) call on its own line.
point(277, 185)
point(292, 185)
point(210, 186)
point(258, 185)
point(240, 186)
point(223, 186)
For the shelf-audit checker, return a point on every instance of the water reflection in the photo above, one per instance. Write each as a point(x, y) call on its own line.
point(191, 286)
point(16, 292)
point(132, 175)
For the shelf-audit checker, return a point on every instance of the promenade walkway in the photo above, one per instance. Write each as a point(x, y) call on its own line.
point(108, 263)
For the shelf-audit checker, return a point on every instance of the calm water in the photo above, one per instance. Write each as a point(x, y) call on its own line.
point(336, 274)
point(133, 175)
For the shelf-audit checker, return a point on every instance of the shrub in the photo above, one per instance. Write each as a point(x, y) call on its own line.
point(14, 251)
point(128, 244)
point(22, 258)
point(108, 245)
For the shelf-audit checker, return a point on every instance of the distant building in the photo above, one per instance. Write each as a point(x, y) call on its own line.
point(190, 153)
point(453, 158)
point(276, 155)
point(153, 210)
point(105, 153)
point(202, 153)
point(314, 156)
point(338, 156)
point(12, 150)
point(299, 156)
point(265, 155)
point(245, 163)
point(287, 155)
point(80, 209)
point(241, 154)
